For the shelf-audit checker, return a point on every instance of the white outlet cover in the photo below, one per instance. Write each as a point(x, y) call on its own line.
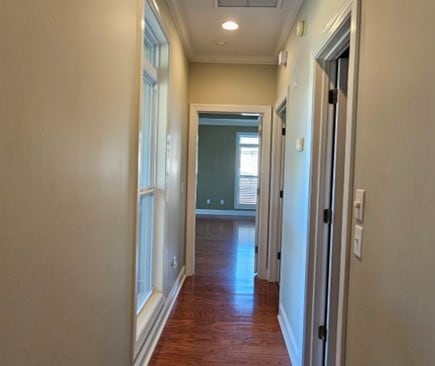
point(173, 262)
point(358, 241)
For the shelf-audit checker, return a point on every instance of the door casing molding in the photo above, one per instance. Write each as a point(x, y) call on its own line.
point(276, 203)
point(340, 33)
point(192, 158)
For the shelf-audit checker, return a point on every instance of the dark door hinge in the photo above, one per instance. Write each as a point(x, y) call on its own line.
point(256, 249)
point(327, 216)
point(258, 191)
point(278, 256)
point(333, 96)
point(322, 333)
point(281, 194)
point(283, 131)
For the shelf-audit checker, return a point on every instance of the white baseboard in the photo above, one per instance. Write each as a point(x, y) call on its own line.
point(289, 338)
point(201, 211)
point(153, 338)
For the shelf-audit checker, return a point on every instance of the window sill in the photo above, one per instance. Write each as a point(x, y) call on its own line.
point(146, 318)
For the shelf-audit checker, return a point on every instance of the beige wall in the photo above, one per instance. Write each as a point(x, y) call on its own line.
point(68, 129)
point(176, 159)
point(391, 295)
point(68, 120)
point(232, 84)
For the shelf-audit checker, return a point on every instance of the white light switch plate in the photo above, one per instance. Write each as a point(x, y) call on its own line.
point(358, 241)
point(358, 204)
point(300, 144)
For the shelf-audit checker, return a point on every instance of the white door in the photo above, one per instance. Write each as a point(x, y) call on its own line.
point(332, 218)
point(281, 184)
point(258, 209)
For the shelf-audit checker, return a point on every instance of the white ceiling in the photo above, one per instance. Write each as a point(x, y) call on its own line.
point(259, 39)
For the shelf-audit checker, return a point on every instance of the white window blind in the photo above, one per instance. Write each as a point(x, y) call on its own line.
point(247, 152)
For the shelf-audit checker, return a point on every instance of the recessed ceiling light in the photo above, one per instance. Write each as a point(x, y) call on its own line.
point(220, 43)
point(230, 25)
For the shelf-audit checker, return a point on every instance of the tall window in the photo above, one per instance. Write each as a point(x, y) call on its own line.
point(150, 224)
point(247, 151)
point(146, 193)
point(148, 160)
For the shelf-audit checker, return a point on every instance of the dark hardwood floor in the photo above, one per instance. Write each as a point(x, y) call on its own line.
point(224, 315)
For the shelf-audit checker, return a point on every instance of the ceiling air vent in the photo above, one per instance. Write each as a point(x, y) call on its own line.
point(248, 3)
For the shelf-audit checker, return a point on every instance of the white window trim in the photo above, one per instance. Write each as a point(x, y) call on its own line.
point(148, 71)
point(237, 205)
point(143, 320)
point(146, 317)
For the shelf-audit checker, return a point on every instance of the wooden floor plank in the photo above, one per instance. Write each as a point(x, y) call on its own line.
point(223, 315)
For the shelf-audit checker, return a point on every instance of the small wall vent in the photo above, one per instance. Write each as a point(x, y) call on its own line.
point(248, 3)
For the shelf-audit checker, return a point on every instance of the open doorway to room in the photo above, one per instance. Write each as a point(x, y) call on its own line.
point(245, 174)
point(227, 181)
point(228, 159)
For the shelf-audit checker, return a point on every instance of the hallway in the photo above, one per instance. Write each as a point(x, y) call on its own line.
point(223, 315)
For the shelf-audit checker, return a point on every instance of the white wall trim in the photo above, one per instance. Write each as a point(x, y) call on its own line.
point(334, 28)
point(202, 211)
point(289, 338)
point(263, 203)
point(178, 17)
point(275, 203)
point(151, 341)
point(354, 10)
point(288, 26)
point(142, 323)
point(216, 4)
point(250, 60)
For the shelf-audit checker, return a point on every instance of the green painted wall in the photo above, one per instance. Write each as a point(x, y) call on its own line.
point(216, 166)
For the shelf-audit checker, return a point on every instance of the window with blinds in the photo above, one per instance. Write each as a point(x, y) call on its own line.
point(247, 152)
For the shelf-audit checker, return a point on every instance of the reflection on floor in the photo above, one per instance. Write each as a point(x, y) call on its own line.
point(224, 315)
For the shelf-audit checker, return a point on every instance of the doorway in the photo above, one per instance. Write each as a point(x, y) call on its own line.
point(227, 174)
point(333, 194)
point(331, 189)
point(262, 213)
point(228, 169)
point(277, 190)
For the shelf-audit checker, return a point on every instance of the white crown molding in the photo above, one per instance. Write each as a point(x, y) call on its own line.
point(288, 26)
point(180, 23)
point(278, 4)
point(179, 18)
point(250, 60)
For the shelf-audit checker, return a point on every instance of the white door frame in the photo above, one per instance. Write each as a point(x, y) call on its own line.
point(275, 204)
point(192, 159)
point(340, 33)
